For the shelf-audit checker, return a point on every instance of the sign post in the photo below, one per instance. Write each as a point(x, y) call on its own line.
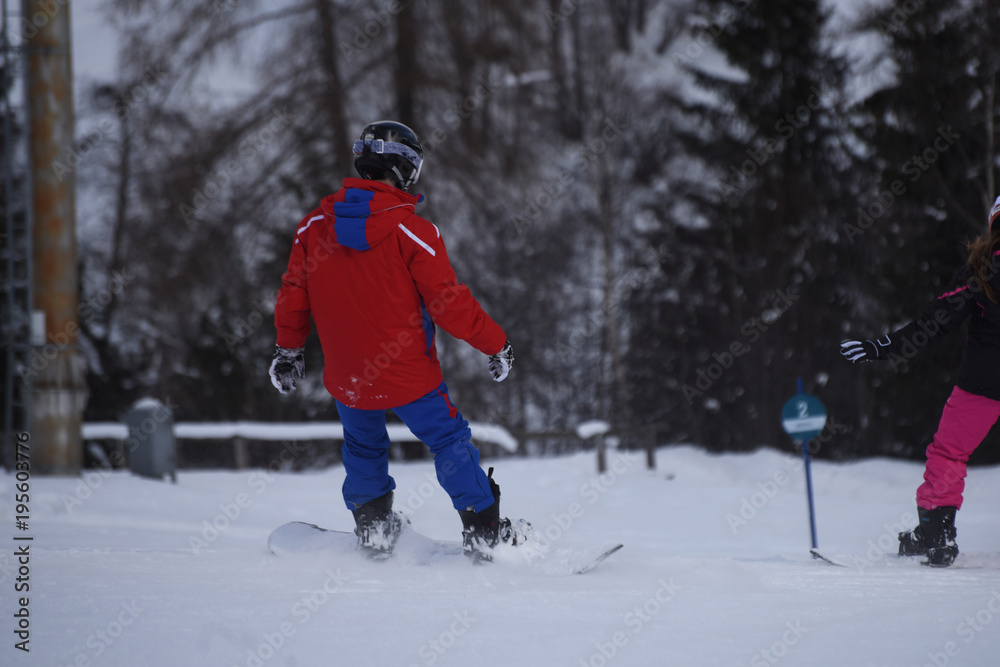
point(804, 417)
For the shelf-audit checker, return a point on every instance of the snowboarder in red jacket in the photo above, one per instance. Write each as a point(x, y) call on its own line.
point(974, 405)
point(376, 279)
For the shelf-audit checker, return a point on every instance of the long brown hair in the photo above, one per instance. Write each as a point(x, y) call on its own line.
point(981, 252)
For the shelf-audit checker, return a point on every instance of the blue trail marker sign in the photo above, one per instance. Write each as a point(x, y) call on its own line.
point(803, 417)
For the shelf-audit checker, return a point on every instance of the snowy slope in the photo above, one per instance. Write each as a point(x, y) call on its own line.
point(128, 572)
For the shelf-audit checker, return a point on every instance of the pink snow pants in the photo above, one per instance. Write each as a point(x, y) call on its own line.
point(966, 420)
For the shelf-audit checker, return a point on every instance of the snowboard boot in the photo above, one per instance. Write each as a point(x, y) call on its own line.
point(378, 527)
point(939, 532)
point(933, 537)
point(482, 531)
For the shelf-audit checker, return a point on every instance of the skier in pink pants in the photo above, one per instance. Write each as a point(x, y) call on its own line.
point(974, 404)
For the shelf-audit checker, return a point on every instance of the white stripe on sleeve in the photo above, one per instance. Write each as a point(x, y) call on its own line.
point(309, 222)
point(417, 239)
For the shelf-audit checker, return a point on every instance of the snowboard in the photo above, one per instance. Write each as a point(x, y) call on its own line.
point(965, 561)
point(819, 556)
point(412, 548)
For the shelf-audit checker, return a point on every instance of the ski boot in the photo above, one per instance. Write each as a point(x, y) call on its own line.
point(933, 537)
point(483, 531)
point(378, 527)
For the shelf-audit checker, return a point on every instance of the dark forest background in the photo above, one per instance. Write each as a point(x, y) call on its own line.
point(675, 208)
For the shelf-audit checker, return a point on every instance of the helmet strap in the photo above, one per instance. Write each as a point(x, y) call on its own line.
point(402, 183)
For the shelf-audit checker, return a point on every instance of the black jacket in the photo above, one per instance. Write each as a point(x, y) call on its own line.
point(963, 299)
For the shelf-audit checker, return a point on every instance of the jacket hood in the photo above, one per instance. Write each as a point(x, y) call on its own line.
point(363, 213)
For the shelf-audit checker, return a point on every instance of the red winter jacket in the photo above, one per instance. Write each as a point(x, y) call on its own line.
point(376, 279)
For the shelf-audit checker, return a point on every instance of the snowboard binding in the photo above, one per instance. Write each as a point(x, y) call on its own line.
point(378, 527)
point(483, 531)
point(934, 537)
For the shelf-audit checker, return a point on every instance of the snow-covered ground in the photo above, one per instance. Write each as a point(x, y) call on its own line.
point(715, 571)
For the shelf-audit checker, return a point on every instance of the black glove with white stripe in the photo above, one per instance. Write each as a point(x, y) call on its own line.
point(860, 351)
point(501, 362)
point(286, 365)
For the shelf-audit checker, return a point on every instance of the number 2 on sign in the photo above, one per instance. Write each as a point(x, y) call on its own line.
point(803, 409)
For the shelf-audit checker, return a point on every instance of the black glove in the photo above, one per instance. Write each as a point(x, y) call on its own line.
point(501, 362)
point(858, 351)
point(287, 365)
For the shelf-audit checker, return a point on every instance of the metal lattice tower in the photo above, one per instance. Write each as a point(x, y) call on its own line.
point(16, 273)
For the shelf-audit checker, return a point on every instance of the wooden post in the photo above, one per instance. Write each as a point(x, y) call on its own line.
point(58, 388)
point(241, 454)
point(650, 437)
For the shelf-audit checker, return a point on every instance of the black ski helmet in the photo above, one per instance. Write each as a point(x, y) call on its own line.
point(388, 148)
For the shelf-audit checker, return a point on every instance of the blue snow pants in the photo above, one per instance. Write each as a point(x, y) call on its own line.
point(439, 425)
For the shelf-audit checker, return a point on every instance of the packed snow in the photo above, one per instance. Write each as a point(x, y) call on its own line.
point(715, 570)
point(316, 430)
point(592, 428)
